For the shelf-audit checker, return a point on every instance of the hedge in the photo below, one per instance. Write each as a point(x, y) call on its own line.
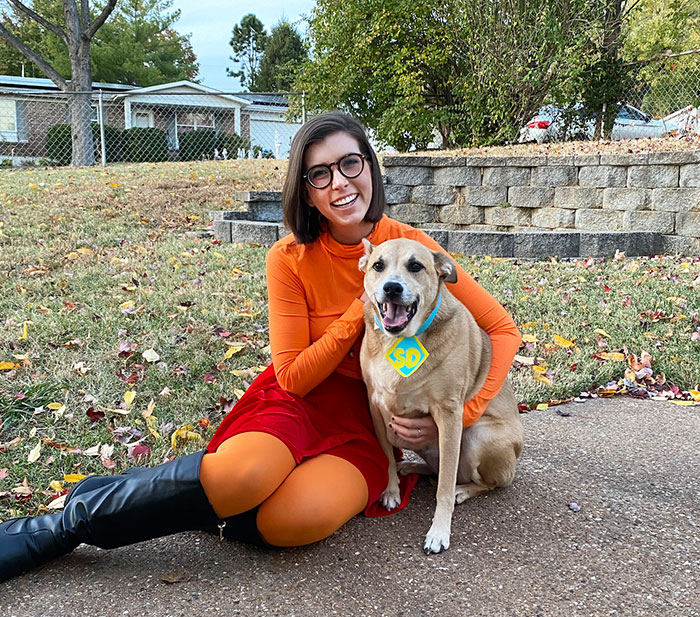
point(200, 144)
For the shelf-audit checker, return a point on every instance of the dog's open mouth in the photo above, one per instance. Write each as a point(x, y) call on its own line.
point(395, 317)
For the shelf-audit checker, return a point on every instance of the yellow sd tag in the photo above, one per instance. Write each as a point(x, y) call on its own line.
point(406, 355)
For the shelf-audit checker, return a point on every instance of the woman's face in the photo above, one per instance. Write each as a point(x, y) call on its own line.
point(345, 201)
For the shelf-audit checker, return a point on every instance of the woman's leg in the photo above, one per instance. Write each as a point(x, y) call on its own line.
point(244, 471)
point(318, 497)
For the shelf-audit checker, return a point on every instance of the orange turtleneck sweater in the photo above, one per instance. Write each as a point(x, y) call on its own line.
point(316, 316)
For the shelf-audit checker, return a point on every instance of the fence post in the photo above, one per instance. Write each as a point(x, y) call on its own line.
point(303, 107)
point(102, 131)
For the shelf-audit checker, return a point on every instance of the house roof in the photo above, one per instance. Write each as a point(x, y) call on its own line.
point(185, 87)
point(252, 100)
point(258, 98)
point(36, 83)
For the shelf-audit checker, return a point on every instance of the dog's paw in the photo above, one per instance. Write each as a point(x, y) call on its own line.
point(461, 494)
point(391, 498)
point(436, 541)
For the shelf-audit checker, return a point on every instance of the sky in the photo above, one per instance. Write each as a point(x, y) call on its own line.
point(210, 23)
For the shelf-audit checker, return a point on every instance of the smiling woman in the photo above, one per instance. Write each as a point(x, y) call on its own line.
point(297, 456)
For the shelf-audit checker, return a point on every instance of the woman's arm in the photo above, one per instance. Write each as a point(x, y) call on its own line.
point(301, 365)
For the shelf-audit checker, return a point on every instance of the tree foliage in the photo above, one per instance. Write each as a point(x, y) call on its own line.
point(474, 70)
point(282, 59)
point(138, 45)
point(76, 30)
point(248, 43)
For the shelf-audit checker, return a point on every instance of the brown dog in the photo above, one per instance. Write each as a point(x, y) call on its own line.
point(434, 373)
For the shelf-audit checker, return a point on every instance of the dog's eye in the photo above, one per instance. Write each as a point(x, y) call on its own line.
point(415, 266)
point(378, 266)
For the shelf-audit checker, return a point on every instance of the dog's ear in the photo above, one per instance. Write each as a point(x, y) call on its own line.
point(369, 247)
point(445, 267)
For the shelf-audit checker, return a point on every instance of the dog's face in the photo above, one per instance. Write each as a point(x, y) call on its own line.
point(402, 280)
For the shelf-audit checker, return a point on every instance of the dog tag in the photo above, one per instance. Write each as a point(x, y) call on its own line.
point(406, 355)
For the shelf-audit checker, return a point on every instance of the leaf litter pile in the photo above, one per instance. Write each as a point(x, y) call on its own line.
point(126, 335)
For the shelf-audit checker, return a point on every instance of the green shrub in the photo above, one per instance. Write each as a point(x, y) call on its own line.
point(143, 144)
point(58, 144)
point(200, 144)
point(59, 147)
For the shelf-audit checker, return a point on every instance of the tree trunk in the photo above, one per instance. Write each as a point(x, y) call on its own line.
point(80, 99)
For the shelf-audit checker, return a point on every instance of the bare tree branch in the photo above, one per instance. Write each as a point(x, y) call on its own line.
point(40, 20)
point(34, 57)
point(100, 19)
point(663, 56)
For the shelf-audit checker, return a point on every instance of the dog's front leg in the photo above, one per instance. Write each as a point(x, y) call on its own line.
point(449, 423)
point(391, 497)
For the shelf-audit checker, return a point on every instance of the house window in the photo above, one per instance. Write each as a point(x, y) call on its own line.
point(142, 119)
point(8, 120)
point(193, 121)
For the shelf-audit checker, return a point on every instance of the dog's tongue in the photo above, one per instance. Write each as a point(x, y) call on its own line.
point(395, 315)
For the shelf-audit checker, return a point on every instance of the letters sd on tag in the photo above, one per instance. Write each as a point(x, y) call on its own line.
point(406, 355)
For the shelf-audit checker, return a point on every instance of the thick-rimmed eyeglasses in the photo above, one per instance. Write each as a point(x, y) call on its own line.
point(350, 165)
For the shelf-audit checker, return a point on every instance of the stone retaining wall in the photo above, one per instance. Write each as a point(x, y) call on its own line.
point(579, 205)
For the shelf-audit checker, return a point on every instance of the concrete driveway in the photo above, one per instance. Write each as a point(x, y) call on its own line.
point(601, 520)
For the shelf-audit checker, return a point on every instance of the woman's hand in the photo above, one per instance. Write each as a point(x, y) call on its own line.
point(419, 432)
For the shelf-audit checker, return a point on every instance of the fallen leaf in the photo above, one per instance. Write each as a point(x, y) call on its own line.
point(8, 366)
point(184, 434)
point(35, 453)
point(150, 355)
point(233, 349)
point(561, 341)
point(614, 356)
point(129, 397)
point(72, 478)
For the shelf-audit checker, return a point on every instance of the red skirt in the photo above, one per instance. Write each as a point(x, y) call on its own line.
point(333, 418)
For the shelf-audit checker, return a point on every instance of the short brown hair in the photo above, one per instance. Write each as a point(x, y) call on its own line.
point(304, 221)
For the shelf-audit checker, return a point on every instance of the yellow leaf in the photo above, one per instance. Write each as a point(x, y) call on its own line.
point(8, 366)
point(615, 356)
point(562, 342)
point(35, 453)
point(54, 406)
point(542, 379)
point(33, 186)
point(542, 407)
point(114, 184)
point(184, 434)
point(152, 424)
point(602, 332)
point(71, 478)
point(529, 338)
point(529, 324)
point(149, 409)
point(683, 403)
point(72, 255)
point(24, 332)
point(695, 394)
point(129, 397)
point(85, 251)
point(238, 392)
point(126, 305)
point(56, 486)
point(233, 349)
point(536, 368)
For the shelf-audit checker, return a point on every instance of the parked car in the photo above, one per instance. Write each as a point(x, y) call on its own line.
point(554, 124)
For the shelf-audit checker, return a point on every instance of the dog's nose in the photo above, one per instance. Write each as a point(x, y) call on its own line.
point(392, 288)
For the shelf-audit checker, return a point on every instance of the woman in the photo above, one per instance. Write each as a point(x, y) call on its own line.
point(296, 458)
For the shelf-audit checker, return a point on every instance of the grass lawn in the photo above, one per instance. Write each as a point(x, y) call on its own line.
point(125, 339)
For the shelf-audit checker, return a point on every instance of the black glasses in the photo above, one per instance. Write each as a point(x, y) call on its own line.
point(350, 165)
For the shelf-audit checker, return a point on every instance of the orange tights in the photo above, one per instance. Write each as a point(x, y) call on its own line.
point(299, 504)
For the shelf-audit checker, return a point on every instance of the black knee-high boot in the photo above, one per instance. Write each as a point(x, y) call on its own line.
point(111, 512)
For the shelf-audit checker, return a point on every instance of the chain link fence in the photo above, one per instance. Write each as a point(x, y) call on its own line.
point(180, 122)
point(669, 89)
point(146, 125)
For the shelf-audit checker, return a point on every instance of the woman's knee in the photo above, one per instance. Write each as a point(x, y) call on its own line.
point(317, 498)
point(245, 470)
